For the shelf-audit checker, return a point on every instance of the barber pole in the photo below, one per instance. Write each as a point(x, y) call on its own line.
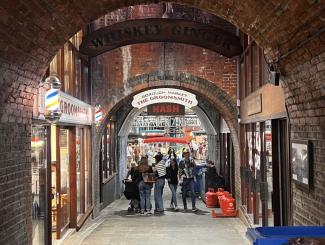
point(52, 100)
point(98, 114)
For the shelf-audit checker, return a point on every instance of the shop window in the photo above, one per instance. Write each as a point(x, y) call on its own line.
point(72, 70)
point(64, 180)
point(108, 152)
point(88, 172)
point(257, 172)
point(83, 172)
point(253, 68)
point(80, 173)
point(39, 160)
point(269, 170)
point(257, 176)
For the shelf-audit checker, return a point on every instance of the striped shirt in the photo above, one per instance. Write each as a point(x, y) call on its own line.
point(161, 169)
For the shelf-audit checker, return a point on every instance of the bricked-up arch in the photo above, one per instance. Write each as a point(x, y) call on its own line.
point(204, 89)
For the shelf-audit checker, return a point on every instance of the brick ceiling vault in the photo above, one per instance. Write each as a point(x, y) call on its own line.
point(32, 31)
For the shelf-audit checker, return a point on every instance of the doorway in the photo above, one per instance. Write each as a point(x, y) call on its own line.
point(60, 182)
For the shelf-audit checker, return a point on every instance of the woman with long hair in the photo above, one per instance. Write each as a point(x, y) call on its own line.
point(172, 178)
point(144, 187)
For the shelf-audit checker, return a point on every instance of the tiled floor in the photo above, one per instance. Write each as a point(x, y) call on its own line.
point(116, 226)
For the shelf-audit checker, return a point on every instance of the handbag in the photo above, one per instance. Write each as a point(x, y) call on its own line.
point(149, 178)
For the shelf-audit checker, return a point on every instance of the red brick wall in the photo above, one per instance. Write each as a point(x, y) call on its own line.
point(305, 93)
point(146, 58)
point(112, 68)
point(27, 46)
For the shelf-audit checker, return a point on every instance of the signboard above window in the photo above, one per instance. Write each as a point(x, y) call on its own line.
point(164, 95)
point(73, 110)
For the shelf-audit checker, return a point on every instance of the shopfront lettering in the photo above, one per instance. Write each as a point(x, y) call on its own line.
point(164, 95)
point(166, 109)
point(161, 30)
point(71, 109)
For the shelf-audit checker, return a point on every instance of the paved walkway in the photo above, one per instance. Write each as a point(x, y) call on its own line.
point(115, 226)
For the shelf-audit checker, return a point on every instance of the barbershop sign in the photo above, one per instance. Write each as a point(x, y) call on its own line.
point(164, 95)
point(161, 30)
point(74, 110)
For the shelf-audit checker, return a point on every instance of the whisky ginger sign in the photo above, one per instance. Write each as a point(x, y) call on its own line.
point(164, 95)
point(161, 30)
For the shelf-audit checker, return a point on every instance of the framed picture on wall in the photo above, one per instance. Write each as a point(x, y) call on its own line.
point(302, 166)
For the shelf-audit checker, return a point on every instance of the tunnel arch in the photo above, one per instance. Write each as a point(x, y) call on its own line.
point(46, 30)
point(218, 98)
point(124, 130)
point(291, 29)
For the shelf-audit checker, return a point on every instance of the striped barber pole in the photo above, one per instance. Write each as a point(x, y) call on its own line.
point(98, 114)
point(52, 102)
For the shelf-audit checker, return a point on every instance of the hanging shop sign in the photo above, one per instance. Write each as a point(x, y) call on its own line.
point(161, 30)
point(165, 109)
point(164, 95)
point(74, 110)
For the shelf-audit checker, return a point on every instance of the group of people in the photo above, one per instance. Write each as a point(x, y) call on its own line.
point(154, 176)
point(199, 151)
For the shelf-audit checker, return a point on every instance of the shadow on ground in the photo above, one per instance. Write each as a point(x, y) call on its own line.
point(128, 214)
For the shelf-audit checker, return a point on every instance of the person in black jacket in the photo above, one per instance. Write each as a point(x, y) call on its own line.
point(172, 178)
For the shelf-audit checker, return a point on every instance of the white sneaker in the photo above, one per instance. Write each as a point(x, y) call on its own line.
point(176, 208)
point(171, 206)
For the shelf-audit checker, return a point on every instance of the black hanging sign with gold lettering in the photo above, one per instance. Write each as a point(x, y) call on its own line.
point(161, 30)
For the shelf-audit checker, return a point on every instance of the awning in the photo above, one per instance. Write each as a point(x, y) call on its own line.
point(165, 139)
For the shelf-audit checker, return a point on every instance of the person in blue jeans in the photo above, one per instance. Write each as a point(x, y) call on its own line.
point(186, 173)
point(160, 183)
point(144, 188)
point(172, 178)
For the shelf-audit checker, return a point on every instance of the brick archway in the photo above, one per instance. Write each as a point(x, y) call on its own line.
point(277, 27)
point(205, 89)
point(32, 32)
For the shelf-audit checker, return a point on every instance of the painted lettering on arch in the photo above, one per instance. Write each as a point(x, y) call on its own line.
point(161, 30)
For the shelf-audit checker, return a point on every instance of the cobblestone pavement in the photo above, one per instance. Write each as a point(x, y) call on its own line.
point(118, 227)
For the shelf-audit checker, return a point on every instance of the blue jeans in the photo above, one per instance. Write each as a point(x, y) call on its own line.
point(173, 189)
point(158, 192)
point(188, 185)
point(145, 193)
